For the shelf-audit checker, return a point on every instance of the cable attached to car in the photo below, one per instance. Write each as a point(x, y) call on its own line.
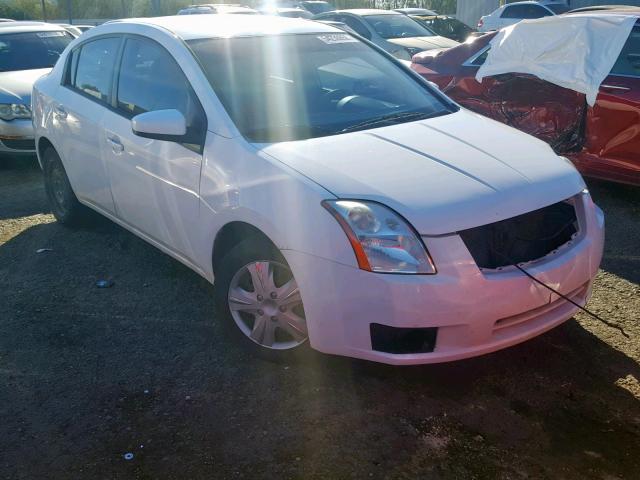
point(594, 315)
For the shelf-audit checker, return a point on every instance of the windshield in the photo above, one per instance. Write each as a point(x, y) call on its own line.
point(558, 9)
point(291, 87)
point(28, 51)
point(397, 26)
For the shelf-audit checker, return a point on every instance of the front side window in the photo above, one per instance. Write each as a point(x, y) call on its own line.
point(94, 67)
point(291, 87)
point(150, 79)
point(535, 11)
point(32, 50)
point(397, 26)
point(558, 8)
point(628, 62)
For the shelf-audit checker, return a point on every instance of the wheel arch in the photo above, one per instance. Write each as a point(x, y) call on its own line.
point(43, 144)
point(233, 233)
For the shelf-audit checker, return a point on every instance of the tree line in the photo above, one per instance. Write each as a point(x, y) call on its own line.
point(78, 9)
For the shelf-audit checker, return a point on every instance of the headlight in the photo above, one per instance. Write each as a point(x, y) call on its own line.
point(413, 50)
point(381, 239)
point(401, 54)
point(11, 111)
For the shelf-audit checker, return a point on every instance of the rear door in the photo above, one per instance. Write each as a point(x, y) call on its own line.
point(613, 124)
point(155, 183)
point(78, 112)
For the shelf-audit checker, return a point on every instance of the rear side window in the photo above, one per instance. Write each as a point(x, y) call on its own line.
point(93, 64)
point(628, 62)
point(525, 12)
point(150, 79)
point(356, 25)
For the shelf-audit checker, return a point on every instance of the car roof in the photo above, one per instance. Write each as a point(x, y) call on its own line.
point(531, 2)
point(25, 27)
point(627, 11)
point(190, 27)
point(367, 11)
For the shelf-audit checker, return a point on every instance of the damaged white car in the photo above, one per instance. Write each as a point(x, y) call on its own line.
point(338, 200)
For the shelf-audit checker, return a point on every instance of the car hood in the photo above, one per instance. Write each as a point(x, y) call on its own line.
point(425, 43)
point(15, 87)
point(443, 174)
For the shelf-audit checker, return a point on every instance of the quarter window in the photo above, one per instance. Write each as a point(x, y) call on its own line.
point(628, 62)
point(94, 69)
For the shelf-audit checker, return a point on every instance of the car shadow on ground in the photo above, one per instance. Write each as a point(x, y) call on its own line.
point(90, 374)
point(22, 187)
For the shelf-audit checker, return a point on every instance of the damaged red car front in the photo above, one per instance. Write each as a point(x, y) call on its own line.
point(602, 140)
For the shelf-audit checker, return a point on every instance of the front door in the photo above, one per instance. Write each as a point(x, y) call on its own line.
point(155, 183)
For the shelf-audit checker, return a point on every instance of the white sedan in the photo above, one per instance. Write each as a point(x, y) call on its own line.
point(338, 199)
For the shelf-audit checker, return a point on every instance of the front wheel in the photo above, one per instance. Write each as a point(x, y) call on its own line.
point(258, 296)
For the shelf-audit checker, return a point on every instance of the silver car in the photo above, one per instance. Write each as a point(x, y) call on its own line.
point(394, 32)
point(28, 50)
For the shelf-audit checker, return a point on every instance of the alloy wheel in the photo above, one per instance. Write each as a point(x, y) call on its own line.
point(264, 301)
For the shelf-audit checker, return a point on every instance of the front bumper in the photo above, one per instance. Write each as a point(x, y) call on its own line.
point(475, 312)
point(17, 137)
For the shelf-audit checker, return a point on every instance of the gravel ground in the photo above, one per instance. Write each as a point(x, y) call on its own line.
point(88, 375)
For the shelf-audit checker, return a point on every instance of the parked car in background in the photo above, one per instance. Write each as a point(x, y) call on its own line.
point(340, 25)
point(603, 141)
point(27, 51)
point(3, 20)
point(409, 212)
point(416, 11)
point(514, 12)
point(84, 28)
point(221, 8)
point(72, 29)
point(316, 6)
point(288, 12)
point(392, 31)
point(446, 26)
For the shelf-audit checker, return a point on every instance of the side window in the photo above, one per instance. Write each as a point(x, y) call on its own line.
point(94, 69)
point(150, 79)
point(357, 26)
point(628, 62)
point(516, 11)
point(480, 59)
point(536, 11)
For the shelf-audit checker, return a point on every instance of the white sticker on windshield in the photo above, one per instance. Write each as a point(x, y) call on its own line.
point(50, 34)
point(330, 38)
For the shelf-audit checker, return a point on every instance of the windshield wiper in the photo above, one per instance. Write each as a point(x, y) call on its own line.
point(391, 119)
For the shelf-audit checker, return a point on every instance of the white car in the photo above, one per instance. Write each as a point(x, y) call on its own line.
point(337, 198)
point(514, 12)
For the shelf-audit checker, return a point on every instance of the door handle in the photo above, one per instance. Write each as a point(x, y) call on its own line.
point(116, 144)
point(615, 88)
point(60, 112)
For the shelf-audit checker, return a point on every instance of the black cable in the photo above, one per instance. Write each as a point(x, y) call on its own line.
point(597, 317)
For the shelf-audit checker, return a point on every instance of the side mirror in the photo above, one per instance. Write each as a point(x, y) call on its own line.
point(167, 125)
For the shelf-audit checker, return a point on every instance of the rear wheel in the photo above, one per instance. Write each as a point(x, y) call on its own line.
point(258, 297)
point(64, 203)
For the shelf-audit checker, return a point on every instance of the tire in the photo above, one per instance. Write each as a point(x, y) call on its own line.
point(269, 326)
point(64, 203)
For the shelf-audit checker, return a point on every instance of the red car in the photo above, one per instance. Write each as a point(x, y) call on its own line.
point(603, 141)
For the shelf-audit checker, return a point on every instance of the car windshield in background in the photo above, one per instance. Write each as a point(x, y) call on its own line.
point(558, 9)
point(397, 26)
point(28, 51)
point(292, 87)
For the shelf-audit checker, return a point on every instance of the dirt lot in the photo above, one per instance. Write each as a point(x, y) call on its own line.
point(87, 375)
